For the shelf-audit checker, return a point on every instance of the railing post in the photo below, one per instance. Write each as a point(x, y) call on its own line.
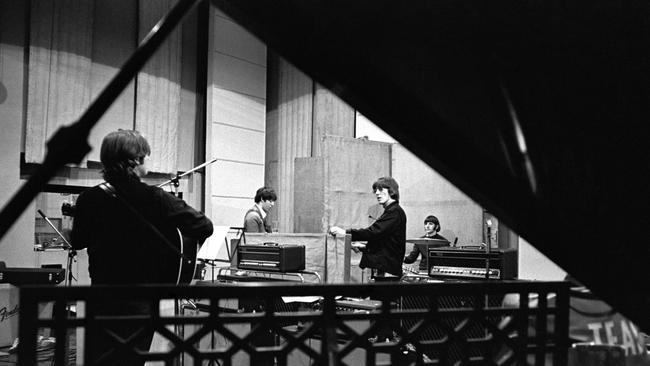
point(61, 347)
point(560, 356)
point(329, 347)
point(28, 327)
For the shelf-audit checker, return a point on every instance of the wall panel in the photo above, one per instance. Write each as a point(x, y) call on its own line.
point(242, 144)
point(230, 40)
point(230, 107)
point(425, 192)
point(234, 74)
point(16, 247)
point(332, 116)
point(236, 120)
point(335, 189)
point(289, 135)
point(234, 179)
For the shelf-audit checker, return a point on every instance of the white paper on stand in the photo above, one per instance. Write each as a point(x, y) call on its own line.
point(215, 246)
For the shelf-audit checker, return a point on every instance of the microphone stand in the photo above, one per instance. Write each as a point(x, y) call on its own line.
point(175, 180)
point(71, 252)
point(487, 251)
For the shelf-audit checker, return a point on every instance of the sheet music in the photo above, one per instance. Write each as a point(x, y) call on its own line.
point(214, 247)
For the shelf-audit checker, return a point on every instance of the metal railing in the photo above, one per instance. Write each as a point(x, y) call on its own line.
point(487, 323)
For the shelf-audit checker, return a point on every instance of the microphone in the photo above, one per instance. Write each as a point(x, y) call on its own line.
point(68, 245)
point(455, 241)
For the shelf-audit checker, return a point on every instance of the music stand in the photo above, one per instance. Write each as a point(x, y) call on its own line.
point(212, 250)
point(72, 253)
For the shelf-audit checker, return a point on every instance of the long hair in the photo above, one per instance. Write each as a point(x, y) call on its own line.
point(121, 151)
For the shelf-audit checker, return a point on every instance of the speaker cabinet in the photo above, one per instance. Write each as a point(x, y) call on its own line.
point(462, 335)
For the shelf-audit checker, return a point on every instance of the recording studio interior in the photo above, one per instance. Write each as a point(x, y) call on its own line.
point(509, 137)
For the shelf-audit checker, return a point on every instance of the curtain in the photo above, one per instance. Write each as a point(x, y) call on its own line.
point(72, 57)
point(59, 69)
point(159, 90)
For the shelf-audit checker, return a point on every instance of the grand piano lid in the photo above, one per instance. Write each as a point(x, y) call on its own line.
point(539, 110)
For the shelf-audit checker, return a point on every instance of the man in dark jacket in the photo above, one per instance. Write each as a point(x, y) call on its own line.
point(116, 222)
point(386, 237)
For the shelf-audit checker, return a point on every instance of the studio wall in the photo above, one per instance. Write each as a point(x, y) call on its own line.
point(300, 113)
point(108, 52)
point(15, 248)
point(425, 192)
point(236, 112)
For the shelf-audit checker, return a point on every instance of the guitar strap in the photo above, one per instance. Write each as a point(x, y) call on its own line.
point(112, 192)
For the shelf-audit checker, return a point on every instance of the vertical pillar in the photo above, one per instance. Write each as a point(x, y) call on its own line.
point(236, 119)
point(299, 114)
point(332, 116)
point(289, 134)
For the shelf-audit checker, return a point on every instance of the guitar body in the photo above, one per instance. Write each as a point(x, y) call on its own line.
point(173, 268)
point(187, 264)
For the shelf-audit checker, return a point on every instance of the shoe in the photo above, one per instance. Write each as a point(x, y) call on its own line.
point(409, 347)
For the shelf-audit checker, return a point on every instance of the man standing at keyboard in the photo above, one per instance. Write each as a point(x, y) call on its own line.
point(386, 237)
point(386, 243)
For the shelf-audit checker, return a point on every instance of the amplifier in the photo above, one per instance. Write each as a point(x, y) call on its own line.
point(31, 276)
point(469, 263)
point(271, 257)
point(462, 337)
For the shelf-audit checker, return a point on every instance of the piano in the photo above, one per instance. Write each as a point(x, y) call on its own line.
point(536, 110)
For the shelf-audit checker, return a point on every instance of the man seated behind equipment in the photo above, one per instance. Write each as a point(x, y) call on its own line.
point(431, 229)
point(255, 218)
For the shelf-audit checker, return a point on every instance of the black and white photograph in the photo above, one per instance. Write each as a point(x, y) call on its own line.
point(311, 182)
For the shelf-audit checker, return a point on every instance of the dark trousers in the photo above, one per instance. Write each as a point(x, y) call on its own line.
point(102, 348)
point(385, 330)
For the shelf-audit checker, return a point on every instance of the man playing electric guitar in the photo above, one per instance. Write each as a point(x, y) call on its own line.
point(122, 223)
